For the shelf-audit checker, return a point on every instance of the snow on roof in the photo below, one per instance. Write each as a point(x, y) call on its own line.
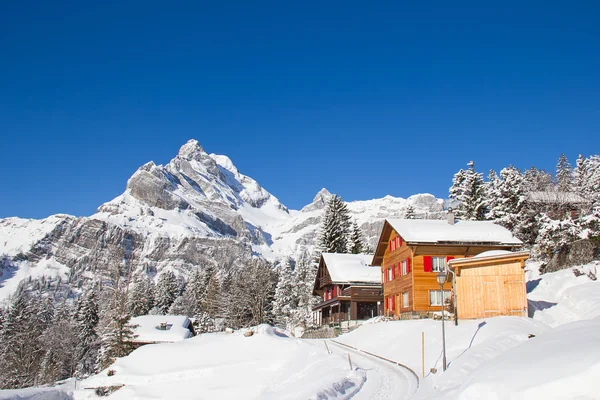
point(149, 328)
point(351, 268)
point(491, 255)
point(436, 231)
point(556, 197)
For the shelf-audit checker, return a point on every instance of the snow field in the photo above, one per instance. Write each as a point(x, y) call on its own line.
point(267, 365)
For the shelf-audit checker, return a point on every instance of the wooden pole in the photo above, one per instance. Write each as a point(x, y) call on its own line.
point(350, 361)
point(423, 354)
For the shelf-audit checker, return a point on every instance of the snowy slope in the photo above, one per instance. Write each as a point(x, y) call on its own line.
point(496, 358)
point(267, 365)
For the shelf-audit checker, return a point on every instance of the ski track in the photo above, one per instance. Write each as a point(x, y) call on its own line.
point(384, 379)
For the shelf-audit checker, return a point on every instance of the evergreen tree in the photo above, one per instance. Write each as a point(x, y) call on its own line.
point(468, 190)
point(357, 245)
point(212, 302)
point(59, 342)
point(409, 213)
point(141, 296)
point(117, 340)
point(285, 300)
point(335, 228)
point(166, 291)
point(538, 180)
point(564, 174)
point(20, 345)
point(87, 320)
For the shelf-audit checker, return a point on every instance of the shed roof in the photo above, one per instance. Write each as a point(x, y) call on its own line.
point(351, 268)
point(148, 328)
point(488, 257)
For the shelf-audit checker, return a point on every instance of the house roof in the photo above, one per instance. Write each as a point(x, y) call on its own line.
point(437, 231)
point(440, 232)
point(351, 268)
point(556, 197)
point(148, 328)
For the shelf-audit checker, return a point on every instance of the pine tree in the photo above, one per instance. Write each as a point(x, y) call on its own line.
point(335, 228)
point(538, 180)
point(285, 301)
point(20, 343)
point(141, 296)
point(87, 320)
point(212, 302)
point(357, 245)
point(117, 340)
point(166, 291)
point(468, 189)
point(59, 342)
point(409, 213)
point(564, 174)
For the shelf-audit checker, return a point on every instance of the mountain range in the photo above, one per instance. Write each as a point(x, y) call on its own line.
point(195, 211)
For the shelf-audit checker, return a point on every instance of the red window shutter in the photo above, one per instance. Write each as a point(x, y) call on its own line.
point(428, 263)
point(399, 241)
point(391, 245)
point(408, 265)
point(449, 258)
point(393, 272)
point(386, 303)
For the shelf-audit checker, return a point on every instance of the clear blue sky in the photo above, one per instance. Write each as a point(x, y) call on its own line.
point(365, 99)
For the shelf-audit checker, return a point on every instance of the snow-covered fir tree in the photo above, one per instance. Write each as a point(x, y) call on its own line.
point(141, 296)
point(87, 319)
point(21, 349)
point(564, 174)
point(285, 301)
point(59, 342)
point(468, 189)
point(335, 227)
point(538, 180)
point(409, 213)
point(356, 243)
point(117, 336)
point(167, 291)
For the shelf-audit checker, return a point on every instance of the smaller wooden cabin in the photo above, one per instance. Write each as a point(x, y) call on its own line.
point(490, 284)
point(349, 287)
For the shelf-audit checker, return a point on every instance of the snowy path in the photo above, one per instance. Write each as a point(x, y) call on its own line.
point(384, 379)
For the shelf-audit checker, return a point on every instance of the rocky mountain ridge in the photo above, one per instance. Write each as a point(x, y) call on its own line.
point(197, 210)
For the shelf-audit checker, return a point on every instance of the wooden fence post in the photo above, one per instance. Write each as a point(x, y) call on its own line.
point(350, 361)
point(423, 354)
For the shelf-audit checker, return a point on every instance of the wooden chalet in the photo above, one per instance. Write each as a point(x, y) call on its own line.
point(490, 284)
point(411, 252)
point(349, 286)
point(558, 204)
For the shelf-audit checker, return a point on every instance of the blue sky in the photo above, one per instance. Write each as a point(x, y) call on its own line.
point(364, 98)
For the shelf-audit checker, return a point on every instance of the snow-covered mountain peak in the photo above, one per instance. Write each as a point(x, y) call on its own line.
point(319, 201)
point(191, 151)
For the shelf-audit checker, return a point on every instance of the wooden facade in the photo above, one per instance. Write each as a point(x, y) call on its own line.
point(409, 271)
point(490, 286)
point(344, 300)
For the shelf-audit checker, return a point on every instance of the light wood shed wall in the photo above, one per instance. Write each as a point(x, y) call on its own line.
point(491, 290)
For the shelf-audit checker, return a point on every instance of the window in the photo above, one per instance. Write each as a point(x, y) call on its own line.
point(404, 267)
point(438, 264)
point(405, 299)
point(435, 297)
point(390, 273)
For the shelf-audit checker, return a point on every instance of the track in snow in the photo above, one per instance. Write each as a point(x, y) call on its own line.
point(385, 380)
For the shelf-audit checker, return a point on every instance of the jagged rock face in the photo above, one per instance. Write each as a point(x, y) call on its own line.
point(198, 210)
